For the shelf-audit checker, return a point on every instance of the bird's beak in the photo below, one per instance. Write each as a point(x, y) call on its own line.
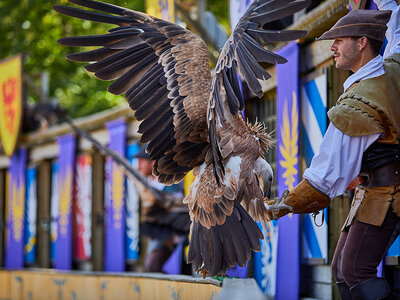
point(267, 193)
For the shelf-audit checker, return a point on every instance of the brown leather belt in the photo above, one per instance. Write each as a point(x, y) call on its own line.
point(386, 175)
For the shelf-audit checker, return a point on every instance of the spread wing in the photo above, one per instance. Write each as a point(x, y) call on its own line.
point(163, 69)
point(242, 54)
point(164, 72)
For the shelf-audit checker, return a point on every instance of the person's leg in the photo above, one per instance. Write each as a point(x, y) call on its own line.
point(156, 260)
point(344, 289)
point(362, 252)
point(365, 248)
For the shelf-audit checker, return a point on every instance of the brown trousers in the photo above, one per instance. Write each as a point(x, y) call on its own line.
point(361, 248)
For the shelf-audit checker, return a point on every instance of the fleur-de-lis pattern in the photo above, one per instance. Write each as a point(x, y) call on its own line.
point(289, 147)
point(65, 201)
point(117, 195)
point(18, 210)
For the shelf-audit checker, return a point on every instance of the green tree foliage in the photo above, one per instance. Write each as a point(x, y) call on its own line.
point(32, 28)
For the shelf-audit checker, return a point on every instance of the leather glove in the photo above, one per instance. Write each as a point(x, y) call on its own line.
point(304, 198)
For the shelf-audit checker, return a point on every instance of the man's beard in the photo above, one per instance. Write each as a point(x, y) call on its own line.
point(347, 59)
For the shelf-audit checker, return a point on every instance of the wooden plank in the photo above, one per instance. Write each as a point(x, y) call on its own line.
point(43, 230)
point(2, 213)
point(98, 212)
point(44, 151)
point(101, 136)
point(5, 285)
point(57, 285)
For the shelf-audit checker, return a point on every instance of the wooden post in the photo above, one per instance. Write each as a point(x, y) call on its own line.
point(2, 213)
point(43, 230)
point(98, 212)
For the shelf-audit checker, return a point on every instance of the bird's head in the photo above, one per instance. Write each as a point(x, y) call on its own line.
point(265, 176)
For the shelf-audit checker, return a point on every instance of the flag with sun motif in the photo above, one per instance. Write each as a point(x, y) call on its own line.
point(287, 115)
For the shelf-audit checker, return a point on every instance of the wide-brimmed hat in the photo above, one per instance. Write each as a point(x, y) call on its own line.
point(360, 22)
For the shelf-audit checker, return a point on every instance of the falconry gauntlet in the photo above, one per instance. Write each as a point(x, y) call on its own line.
point(304, 198)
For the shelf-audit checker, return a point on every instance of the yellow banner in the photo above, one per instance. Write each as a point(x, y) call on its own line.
point(10, 102)
point(162, 9)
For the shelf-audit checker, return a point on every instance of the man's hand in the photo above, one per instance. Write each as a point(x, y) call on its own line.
point(277, 208)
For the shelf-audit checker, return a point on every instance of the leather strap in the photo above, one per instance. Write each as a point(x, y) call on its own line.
point(386, 175)
point(355, 183)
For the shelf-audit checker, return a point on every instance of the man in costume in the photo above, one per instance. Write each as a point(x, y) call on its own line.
point(361, 146)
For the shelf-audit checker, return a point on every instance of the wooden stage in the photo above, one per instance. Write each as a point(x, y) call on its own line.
point(57, 285)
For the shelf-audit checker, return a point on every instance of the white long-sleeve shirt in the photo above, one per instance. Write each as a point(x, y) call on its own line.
point(339, 159)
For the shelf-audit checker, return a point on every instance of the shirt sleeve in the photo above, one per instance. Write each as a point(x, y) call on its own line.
point(393, 32)
point(338, 161)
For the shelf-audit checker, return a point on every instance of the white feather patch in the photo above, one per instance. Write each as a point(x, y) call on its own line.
point(232, 170)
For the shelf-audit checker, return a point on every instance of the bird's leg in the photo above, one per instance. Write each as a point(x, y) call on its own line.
point(277, 207)
point(204, 273)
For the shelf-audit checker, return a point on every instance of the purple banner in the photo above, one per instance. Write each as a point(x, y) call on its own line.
point(114, 259)
point(66, 163)
point(14, 239)
point(288, 257)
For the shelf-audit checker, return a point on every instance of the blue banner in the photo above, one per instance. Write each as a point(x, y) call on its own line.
point(314, 122)
point(132, 210)
point(114, 252)
point(66, 164)
point(288, 257)
point(265, 260)
point(15, 211)
point(54, 211)
point(30, 216)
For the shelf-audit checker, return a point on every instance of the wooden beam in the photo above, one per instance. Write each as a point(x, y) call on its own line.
point(90, 123)
point(43, 152)
point(43, 225)
point(98, 212)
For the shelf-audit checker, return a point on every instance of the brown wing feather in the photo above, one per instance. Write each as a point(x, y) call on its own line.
point(163, 70)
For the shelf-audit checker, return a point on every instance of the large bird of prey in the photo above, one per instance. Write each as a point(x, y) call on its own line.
point(192, 120)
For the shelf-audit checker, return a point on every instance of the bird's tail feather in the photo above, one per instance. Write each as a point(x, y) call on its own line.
point(214, 250)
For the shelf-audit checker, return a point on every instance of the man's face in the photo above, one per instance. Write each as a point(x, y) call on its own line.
point(145, 166)
point(345, 53)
